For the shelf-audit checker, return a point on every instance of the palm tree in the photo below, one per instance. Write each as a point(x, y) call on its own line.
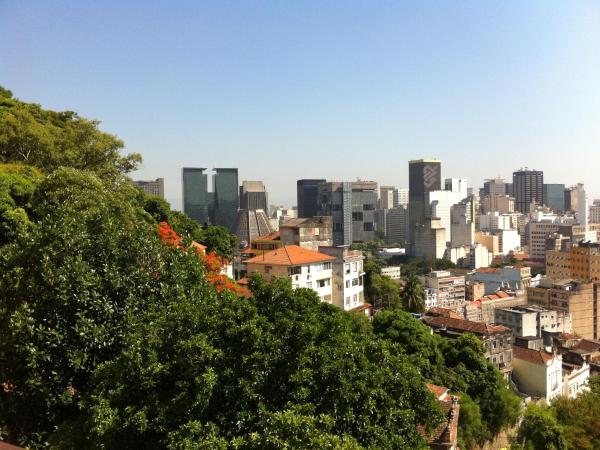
point(413, 294)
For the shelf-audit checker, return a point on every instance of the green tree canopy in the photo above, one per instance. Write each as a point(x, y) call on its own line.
point(48, 140)
point(540, 431)
point(413, 294)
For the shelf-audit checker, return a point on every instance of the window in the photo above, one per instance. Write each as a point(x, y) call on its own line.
point(368, 226)
point(268, 269)
point(368, 207)
point(309, 285)
point(357, 216)
point(347, 284)
point(296, 270)
point(355, 282)
point(323, 283)
point(347, 268)
point(494, 344)
point(355, 298)
point(348, 301)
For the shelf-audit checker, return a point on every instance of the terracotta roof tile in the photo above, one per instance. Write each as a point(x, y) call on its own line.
point(539, 357)
point(587, 345)
point(361, 308)
point(468, 326)
point(440, 392)
point(442, 312)
point(273, 236)
point(290, 255)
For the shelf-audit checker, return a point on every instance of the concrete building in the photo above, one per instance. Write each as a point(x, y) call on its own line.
point(152, 187)
point(386, 197)
point(494, 186)
point(508, 241)
point(580, 262)
point(348, 277)
point(554, 197)
point(308, 196)
point(594, 212)
point(528, 188)
point(401, 197)
point(424, 177)
point(226, 196)
point(396, 224)
point(495, 221)
point(310, 233)
point(538, 373)
point(462, 225)
point(196, 200)
point(540, 227)
point(253, 195)
point(305, 268)
point(576, 202)
point(497, 340)
point(490, 241)
point(352, 208)
point(429, 239)
point(249, 224)
point(458, 185)
point(575, 297)
point(502, 204)
point(532, 320)
point(449, 290)
point(516, 278)
point(393, 272)
point(441, 203)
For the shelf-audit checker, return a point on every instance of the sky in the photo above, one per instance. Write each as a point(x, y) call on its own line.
point(338, 89)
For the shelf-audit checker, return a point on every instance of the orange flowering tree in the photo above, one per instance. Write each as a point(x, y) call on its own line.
point(213, 263)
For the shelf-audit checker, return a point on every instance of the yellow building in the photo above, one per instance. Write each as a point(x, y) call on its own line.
point(582, 262)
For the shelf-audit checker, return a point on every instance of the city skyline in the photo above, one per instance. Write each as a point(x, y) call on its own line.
point(334, 91)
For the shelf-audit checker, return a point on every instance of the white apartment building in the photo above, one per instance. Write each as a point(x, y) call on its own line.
point(495, 221)
point(538, 373)
point(393, 272)
point(306, 268)
point(449, 289)
point(441, 203)
point(508, 241)
point(348, 276)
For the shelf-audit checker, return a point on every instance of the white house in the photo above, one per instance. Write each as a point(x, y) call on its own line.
point(537, 373)
point(306, 268)
point(348, 277)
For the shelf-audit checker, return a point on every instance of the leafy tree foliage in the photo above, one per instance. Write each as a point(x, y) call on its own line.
point(49, 140)
point(540, 431)
point(413, 294)
point(221, 369)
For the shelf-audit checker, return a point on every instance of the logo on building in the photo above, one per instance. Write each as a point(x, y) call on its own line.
point(430, 176)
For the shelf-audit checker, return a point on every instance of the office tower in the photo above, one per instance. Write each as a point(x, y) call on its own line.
point(582, 211)
point(226, 201)
point(335, 200)
point(594, 216)
point(424, 177)
point(386, 197)
point(308, 197)
point(502, 204)
point(253, 196)
point(401, 198)
point(396, 222)
point(554, 196)
point(570, 198)
point(352, 208)
point(458, 185)
point(156, 187)
point(494, 186)
point(195, 194)
point(509, 189)
point(364, 202)
point(528, 187)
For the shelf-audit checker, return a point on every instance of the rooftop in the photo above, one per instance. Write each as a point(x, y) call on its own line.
point(539, 357)
point(467, 326)
point(290, 255)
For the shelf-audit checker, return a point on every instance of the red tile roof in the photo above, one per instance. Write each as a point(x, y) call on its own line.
point(437, 311)
point(272, 236)
point(539, 357)
point(468, 326)
point(290, 255)
point(440, 392)
point(588, 346)
point(361, 308)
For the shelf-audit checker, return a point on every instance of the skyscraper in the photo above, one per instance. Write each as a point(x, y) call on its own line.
point(226, 200)
point(554, 196)
point(335, 200)
point(195, 194)
point(253, 195)
point(424, 176)
point(152, 187)
point(494, 186)
point(386, 197)
point(528, 187)
point(308, 197)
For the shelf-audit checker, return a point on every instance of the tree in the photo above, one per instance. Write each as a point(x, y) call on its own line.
point(282, 369)
point(384, 292)
point(49, 140)
point(221, 241)
point(540, 431)
point(68, 288)
point(413, 295)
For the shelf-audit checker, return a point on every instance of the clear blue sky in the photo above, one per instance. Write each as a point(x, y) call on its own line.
point(338, 89)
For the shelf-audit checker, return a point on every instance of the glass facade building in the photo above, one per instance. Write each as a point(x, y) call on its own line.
point(226, 197)
point(195, 194)
point(554, 196)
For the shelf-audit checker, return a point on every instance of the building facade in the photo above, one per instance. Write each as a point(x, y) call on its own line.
point(348, 277)
point(196, 200)
point(226, 197)
point(449, 289)
point(580, 262)
point(528, 188)
point(152, 187)
point(307, 191)
point(309, 232)
point(425, 175)
point(554, 197)
point(253, 196)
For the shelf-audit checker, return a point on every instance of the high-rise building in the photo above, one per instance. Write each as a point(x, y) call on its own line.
point(352, 208)
point(458, 185)
point(494, 186)
point(425, 175)
point(308, 197)
point(401, 197)
point(594, 216)
point(396, 223)
point(253, 196)
point(554, 196)
point(226, 200)
point(528, 187)
point(152, 187)
point(386, 197)
point(195, 194)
